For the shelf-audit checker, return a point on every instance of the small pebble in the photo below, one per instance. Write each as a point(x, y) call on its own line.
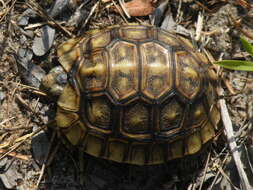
point(40, 145)
point(58, 7)
point(2, 96)
point(31, 73)
point(10, 175)
point(42, 44)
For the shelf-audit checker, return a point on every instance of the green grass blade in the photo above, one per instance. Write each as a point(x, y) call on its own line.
point(236, 65)
point(247, 46)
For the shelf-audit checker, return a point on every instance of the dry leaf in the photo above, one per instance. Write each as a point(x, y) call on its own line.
point(139, 7)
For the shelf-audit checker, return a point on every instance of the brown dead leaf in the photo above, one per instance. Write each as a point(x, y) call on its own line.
point(138, 7)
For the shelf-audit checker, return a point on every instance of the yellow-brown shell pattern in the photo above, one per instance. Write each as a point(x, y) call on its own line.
point(138, 95)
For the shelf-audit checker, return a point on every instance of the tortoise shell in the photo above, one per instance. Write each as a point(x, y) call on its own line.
point(136, 94)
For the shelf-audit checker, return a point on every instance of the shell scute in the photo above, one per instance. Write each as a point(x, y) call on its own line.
point(134, 33)
point(156, 70)
point(98, 112)
point(93, 72)
point(188, 77)
point(168, 39)
point(117, 150)
point(99, 40)
point(198, 114)
point(136, 119)
point(123, 70)
point(171, 116)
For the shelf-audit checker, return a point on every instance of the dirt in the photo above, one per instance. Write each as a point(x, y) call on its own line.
point(24, 109)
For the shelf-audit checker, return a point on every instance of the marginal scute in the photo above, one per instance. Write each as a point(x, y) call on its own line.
point(215, 115)
point(67, 46)
point(176, 149)
point(207, 132)
point(133, 33)
point(100, 41)
point(94, 145)
point(69, 100)
point(69, 53)
point(212, 75)
point(75, 134)
point(157, 154)
point(116, 150)
point(65, 119)
point(186, 42)
point(193, 143)
point(210, 95)
point(137, 155)
point(167, 38)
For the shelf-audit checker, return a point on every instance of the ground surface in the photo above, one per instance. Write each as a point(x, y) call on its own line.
point(24, 110)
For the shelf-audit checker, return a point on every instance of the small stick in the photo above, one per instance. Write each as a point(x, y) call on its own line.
point(205, 170)
point(5, 121)
point(22, 139)
point(226, 177)
point(12, 5)
point(232, 142)
point(35, 6)
point(237, 24)
point(16, 155)
point(120, 12)
point(229, 87)
point(218, 173)
point(91, 13)
point(124, 8)
point(199, 26)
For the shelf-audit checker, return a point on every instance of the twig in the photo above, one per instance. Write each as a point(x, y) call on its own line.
point(22, 139)
point(218, 173)
point(5, 121)
point(16, 155)
point(232, 142)
point(199, 26)
point(3, 3)
point(237, 24)
point(120, 11)
point(229, 87)
point(179, 12)
point(12, 5)
point(205, 170)
point(35, 6)
point(124, 8)
point(226, 177)
point(41, 175)
point(90, 14)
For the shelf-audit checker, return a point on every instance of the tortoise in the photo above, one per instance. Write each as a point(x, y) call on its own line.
point(136, 94)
